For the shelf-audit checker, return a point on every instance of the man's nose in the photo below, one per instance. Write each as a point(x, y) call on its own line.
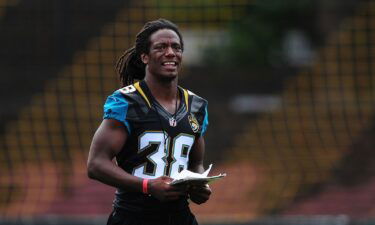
point(169, 51)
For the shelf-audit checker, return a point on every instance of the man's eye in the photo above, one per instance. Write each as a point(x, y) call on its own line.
point(159, 47)
point(177, 47)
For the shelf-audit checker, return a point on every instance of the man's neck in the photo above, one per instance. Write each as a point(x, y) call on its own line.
point(162, 90)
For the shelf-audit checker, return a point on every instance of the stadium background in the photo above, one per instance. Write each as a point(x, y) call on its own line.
point(290, 86)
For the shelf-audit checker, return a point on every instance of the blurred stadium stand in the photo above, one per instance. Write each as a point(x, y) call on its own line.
point(309, 160)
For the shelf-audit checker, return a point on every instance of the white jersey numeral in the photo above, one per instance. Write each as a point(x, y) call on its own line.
point(128, 89)
point(163, 160)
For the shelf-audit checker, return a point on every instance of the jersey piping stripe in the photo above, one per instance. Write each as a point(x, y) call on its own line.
point(139, 89)
point(186, 94)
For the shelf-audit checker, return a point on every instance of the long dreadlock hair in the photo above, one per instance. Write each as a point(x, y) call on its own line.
point(129, 66)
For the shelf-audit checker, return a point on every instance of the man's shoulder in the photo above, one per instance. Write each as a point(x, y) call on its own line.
point(126, 96)
point(128, 93)
point(194, 97)
point(130, 99)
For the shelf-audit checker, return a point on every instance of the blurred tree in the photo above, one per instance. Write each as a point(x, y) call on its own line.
point(256, 41)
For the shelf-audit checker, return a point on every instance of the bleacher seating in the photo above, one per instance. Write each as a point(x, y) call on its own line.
point(325, 109)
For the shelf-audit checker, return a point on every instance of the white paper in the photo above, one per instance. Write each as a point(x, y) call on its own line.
point(187, 176)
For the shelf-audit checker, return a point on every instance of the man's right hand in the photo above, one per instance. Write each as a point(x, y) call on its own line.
point(161, 189)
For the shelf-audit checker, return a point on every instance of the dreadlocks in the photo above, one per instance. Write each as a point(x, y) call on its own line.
point(130, 66)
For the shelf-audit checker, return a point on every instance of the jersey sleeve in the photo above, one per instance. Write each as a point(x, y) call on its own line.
point(205, 121)
point(116, 107)
point(204, 124)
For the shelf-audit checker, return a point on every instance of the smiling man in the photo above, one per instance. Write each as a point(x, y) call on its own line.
point(154, 129)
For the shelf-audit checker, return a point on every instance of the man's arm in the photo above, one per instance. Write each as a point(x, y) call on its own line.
point(198, 193)
point(196, 157)
point(107, 142)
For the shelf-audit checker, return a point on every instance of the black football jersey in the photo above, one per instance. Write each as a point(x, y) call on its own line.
point(159, 143)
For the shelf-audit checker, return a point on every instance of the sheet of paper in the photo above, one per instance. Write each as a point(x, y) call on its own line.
point(189, 177)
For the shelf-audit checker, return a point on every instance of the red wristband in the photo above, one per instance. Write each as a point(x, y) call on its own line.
point(144, 186)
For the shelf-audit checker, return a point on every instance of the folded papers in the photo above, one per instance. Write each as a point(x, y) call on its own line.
point(188, 177)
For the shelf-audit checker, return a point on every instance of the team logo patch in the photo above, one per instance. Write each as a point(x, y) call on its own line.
point(193, 123)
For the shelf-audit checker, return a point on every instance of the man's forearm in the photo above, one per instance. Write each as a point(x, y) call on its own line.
point(109, 173)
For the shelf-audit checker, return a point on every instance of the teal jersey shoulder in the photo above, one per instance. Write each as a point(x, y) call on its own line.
point(116, 107)
point(199, 108)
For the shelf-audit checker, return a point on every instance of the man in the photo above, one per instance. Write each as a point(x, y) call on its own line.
point(154, 129)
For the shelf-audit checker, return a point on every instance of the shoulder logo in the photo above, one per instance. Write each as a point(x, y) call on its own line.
point(193, 123)
point(128, 89)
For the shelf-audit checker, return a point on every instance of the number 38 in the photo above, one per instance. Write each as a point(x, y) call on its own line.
point(164, 159)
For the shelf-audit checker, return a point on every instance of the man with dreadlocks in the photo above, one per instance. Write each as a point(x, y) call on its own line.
point(154, 129)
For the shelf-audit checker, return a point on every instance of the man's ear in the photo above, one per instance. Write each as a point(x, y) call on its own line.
point(144, 58)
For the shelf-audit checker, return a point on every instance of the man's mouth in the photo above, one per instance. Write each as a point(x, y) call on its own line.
point(169, 63)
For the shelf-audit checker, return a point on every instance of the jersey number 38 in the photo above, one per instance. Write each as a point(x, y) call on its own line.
point(160, 158)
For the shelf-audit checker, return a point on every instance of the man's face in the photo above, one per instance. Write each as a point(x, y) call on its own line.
point(165, 55)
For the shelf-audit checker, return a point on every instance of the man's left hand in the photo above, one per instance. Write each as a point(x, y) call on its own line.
point(199, 193)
